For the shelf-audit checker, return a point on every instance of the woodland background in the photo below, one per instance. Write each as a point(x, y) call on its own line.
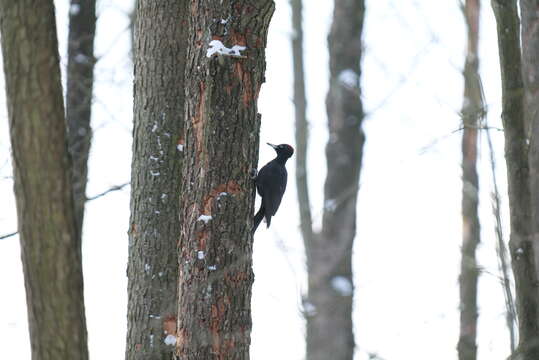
point(406, 257)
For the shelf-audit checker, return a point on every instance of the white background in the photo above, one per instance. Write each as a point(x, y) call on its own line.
point(407, 251)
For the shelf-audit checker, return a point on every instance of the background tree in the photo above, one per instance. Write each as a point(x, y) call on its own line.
point(520, 163)
point(80, 80)
point(471, 114)
point(329, 254)
point(156, 178)
point(226, 65)
point(42, 173)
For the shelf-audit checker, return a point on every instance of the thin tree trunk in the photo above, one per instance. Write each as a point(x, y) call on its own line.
point(160, 42)
point(329, 258)
point(302, 130)
point(217, 202)
point(471, 112)
point(80, 80)
point(529, 10)
point(516, 154)
point(47, 226)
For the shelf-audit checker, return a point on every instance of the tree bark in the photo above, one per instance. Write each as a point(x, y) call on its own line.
point(518, 173)
point(302, 129)
point(80, 80)
point(529, 10)
point(217, 201)
point(42, 173)
point(471, 115)
point(329, 258)
point(160, 42)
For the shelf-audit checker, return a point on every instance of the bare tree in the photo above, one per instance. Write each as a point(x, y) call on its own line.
point(42, 173)
point(518, 156)
point(160, 50)
point(329, 254)
point(80, 80)
point(226, 65)
point(471, 115)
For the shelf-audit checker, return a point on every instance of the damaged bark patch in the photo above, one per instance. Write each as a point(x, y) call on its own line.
point(198, 120)
point(169, 325)
point(231, 187)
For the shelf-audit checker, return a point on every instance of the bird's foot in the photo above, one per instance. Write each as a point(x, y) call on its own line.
point(253, 174)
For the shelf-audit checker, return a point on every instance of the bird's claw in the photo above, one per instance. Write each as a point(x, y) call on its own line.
point(253, 174)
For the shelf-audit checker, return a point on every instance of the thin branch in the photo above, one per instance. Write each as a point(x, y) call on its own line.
point(111, 189)
point(3, 237)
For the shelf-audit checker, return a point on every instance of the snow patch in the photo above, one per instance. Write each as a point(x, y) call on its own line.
point(81, 59)
point(170, 340)
point(179, 147)
point(342, 285)
point(212, 267)
point(216, 47)
point(309, 308)
point(204, 218)
point(74, 9)
point(349, 78)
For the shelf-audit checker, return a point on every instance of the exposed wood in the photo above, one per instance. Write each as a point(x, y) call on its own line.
point(42, 173)
point(220, 150)
point(160, 50)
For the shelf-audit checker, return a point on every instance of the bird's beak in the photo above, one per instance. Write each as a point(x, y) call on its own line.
point(273, 146)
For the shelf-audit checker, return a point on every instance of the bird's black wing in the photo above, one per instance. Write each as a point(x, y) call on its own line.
point(271, 184)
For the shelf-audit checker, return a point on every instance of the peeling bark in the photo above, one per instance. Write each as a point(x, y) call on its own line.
point(217, 202)
point(471, 115)
point(521, 245)
point(160, 42)
point(42, 173)
point(329, 256)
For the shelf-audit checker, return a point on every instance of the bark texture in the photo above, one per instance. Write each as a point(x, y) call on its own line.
point(518, 173)
point(329, 256)
point(217, 200)
point(47, 227)
point(80, 80)
point(471, 115)
point(529, 10)
point(156, 178)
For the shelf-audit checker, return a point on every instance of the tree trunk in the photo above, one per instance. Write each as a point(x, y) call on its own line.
point(226, 65)
point(471, 114)
point(47, 227)
point(329, 258)
point(530, 68)
point(302, 130)
point(160, 42)
point(80, 80)
point(516, 154)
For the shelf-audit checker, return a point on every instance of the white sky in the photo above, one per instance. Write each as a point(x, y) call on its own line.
point(407, 252)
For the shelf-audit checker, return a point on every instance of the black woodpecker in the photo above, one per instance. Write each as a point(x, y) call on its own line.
point(271, 183)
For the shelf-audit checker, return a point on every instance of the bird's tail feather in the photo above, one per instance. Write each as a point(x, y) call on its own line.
point(258, 218)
